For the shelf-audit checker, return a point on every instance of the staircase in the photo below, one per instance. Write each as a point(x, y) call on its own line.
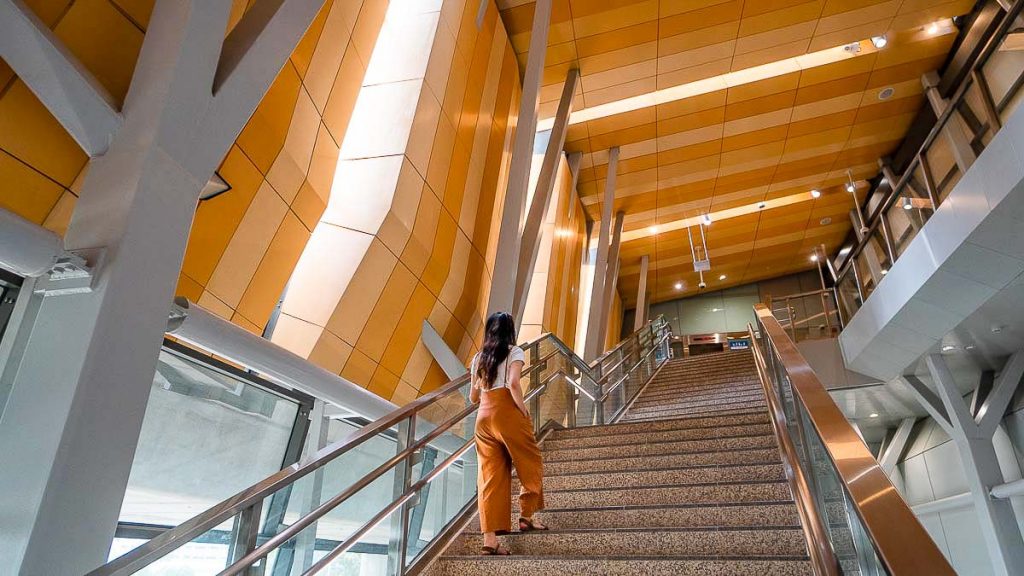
point(690, 482)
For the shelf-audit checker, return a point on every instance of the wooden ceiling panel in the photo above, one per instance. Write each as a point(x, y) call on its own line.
point(748, 154)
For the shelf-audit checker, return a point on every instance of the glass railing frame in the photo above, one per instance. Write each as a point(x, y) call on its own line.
point(874, 223)
point(245, 507)
point(899, 540)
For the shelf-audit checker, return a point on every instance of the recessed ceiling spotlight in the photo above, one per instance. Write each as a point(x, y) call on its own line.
point(879, 41)
point(886, 93)
point(997, 329)
point(873, 415)
point(653, 229)
point(722, 277)
point(948, 348)
point(907, 203)
point(933, 28)
point(814, 257)
point(885, 271)
point(815, 193)
point(679, 285)
point(969, 348)
point(706, 219)
point(760, 205)
point(716, 309)
point(851, 187)
point(825, 221)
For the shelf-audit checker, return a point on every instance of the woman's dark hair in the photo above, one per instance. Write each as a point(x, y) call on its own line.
point(499, 337)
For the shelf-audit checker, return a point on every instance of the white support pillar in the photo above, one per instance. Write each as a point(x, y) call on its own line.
point(593, 345)
point(612, 279)
point(640, 315)
point(955, 129)
point(542, 197)
point(506, 260)
point(895, 448)
point(567, 269)
point(72, 422)
point(981, 469)
point(444, 356)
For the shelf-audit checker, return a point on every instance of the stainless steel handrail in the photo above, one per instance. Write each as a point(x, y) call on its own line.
point(250, 499)
point(897, 537)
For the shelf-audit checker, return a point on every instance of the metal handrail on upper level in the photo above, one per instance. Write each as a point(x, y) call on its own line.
point(252, 546)
point(905, 193)
point(841, 491)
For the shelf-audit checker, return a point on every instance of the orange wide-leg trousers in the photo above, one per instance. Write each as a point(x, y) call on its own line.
point(504, 439)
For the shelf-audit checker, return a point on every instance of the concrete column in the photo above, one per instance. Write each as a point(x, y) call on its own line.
point(506, 260)
point(955, 130)
point(542, 196)
point(640, 315)
point(70, 429)
point(612, 278)
point(978, 456)
point(593, 346)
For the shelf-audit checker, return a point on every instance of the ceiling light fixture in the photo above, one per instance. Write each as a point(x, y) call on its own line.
point(933, 28)
point(706, 219)
point(885, 271)
point(948, 348)
point(722, 277)
point(851, 187)
point(907, 204)
point(653, 229)
point(761, 205)
point(879, 41)
point(814, 257)
point(815, 193)
point(873, 415)
point(679, 285)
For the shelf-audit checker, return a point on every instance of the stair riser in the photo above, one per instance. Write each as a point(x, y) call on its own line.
point(620, 567)
point(683, 411)
point(671, 495)
point(688, 446)
point(764, 542)
point(699, 401)
point(759, 456)
point(664, 436)
point(637, 479)
point(752, 515)
point(682, 424)
point(674, 391)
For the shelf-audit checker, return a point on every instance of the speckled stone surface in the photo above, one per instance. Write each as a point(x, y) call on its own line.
point(661, 436)
point(662, 477)
point(750, 456)
point(700, 395)
point(675, 412)
point(633, 566)
point(625, 429)
point(653, 448)
point(643, 495)
point(666, 542)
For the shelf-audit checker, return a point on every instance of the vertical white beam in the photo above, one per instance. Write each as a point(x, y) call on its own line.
point(612, 278)
point(506, 260)
point(593, 347)
point(955, 129)
point(640, 315)
point(90, 359)
point(81, 105)
point(981, 469)
point(542, 196)
point(891, 456)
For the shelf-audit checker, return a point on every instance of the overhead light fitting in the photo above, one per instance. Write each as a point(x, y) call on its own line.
point(706, 219)
point(815, 193)
point(851, 187)
point(879, 41)
point(679, 285)
point(907, 203)
point(873, 415)
point(948, 348)
point(653, 229)
point(934, 28)
point(716, 309)
point(814, 257)
point(760, 205)
point(885, 271)
point(722, 277)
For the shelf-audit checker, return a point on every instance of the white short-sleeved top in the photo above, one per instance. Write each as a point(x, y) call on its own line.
point(515, 354)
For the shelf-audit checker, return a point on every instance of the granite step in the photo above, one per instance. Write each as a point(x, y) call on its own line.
point(699, 386)
point(682, 413)
point(723, 431)
point(620, 429)
point(660, 448)
point(758, 542)
point(697, 399)
point(769, 514)
point(682, 409)
point(744, 456)
point(663, 476)
point(711, 494)
point(619, 566)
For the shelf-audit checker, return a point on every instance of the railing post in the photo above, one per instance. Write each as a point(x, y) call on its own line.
point(397, 542)
point(929, 180)
point(987, 103)
point(244, 534)
point(887, 236)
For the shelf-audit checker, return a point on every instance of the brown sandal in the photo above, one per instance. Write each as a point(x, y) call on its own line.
point(529, 526)
point(498, 550)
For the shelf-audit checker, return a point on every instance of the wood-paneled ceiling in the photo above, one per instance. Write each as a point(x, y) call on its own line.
point(773, 139)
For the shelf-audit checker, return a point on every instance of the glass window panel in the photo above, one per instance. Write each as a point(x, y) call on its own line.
point(200, 422)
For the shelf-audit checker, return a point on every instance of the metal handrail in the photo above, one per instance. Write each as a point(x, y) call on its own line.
point(251, 498)
point(634, 367)
point(874, 221)
point(898, 538)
